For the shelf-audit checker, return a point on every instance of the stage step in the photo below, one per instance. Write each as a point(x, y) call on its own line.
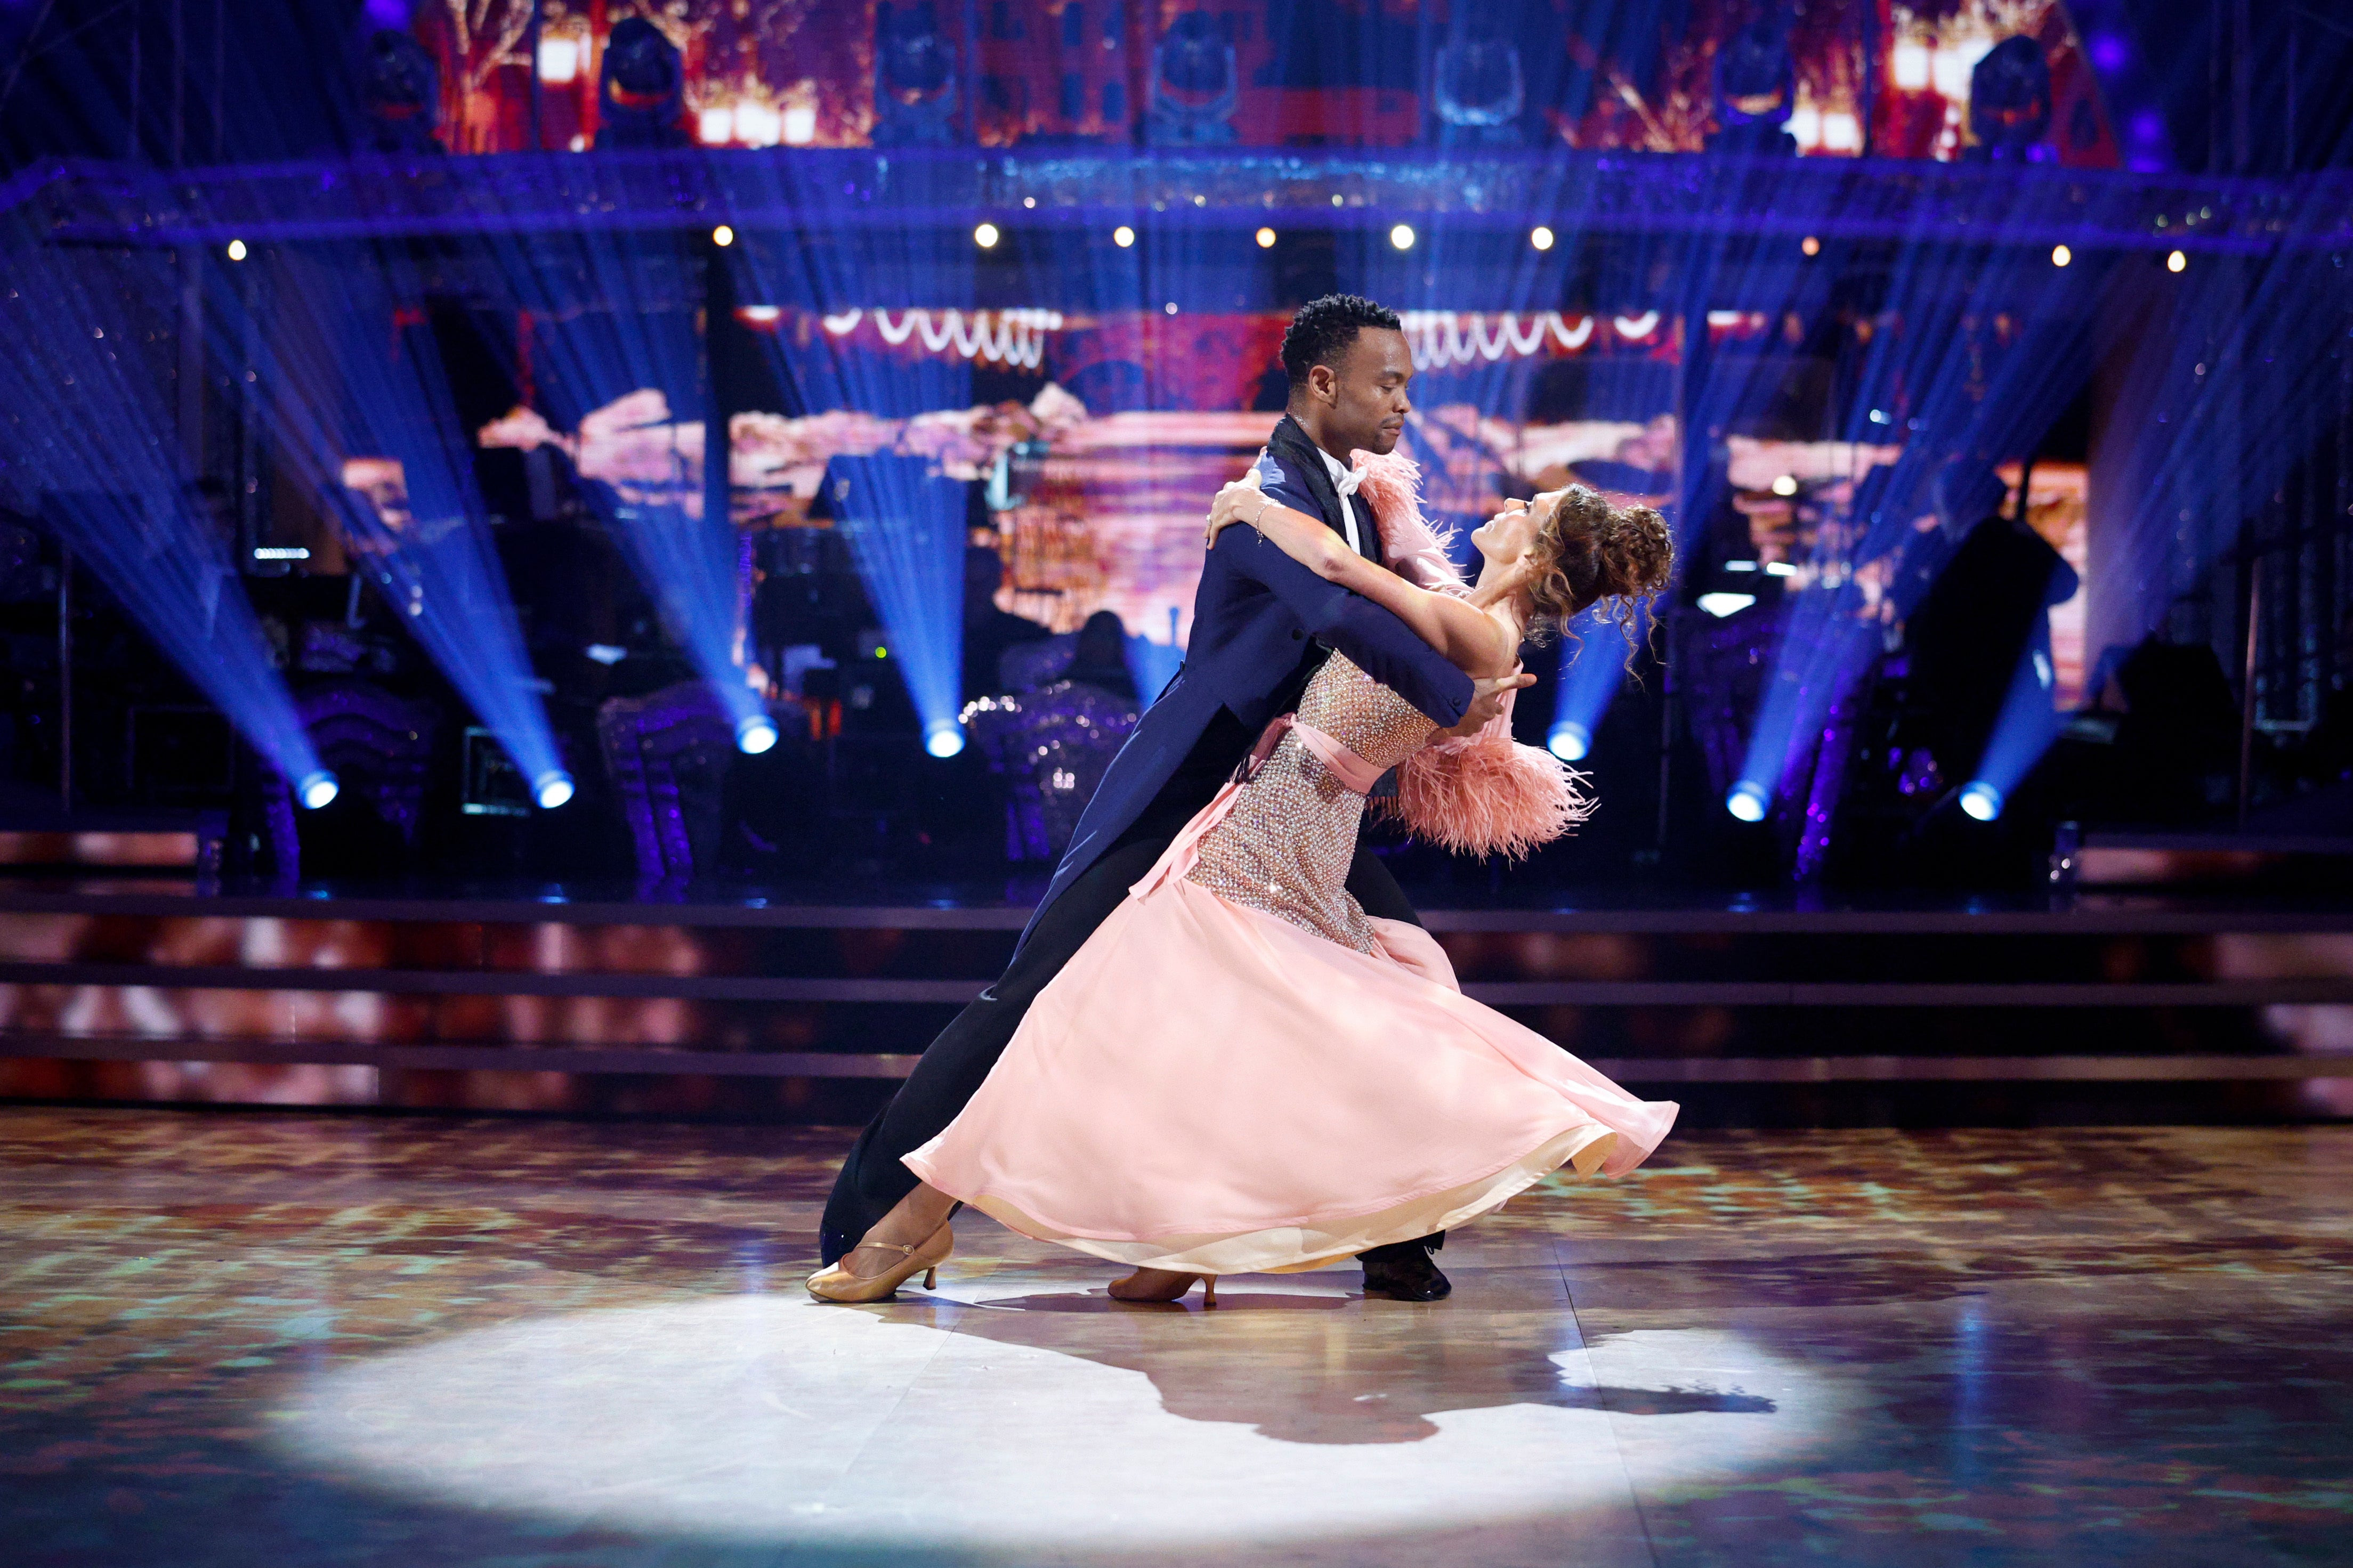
point(406, 1000)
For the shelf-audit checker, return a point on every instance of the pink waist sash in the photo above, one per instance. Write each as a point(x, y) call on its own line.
point(1352, 771)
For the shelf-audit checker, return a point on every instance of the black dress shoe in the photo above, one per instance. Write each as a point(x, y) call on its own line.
point(1404, 1272)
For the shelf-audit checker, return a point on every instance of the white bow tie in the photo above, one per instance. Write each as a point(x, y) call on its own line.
point(1348, 480)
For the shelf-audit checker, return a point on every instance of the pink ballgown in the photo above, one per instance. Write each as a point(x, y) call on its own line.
point(1240, 1071)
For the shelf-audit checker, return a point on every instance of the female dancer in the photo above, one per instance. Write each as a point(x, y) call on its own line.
point(1240, 1071)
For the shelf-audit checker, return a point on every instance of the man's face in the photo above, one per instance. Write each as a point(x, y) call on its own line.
point(1365, 395)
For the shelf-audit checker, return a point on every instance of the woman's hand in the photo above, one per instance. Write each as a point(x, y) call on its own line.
point(1240, 501)
point(1306, 539)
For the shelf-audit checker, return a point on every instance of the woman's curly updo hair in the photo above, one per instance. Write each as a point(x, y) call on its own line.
point(1589, 552)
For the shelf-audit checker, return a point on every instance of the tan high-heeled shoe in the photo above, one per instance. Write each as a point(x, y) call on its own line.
point(836, 1283)
point(1183, 1283)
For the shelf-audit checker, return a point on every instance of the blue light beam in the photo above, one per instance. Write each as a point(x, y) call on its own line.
point(86, 442)
point(904, 526)
point(2029, 723)
point(903, 519)
point(639, 336)
point(338, 382)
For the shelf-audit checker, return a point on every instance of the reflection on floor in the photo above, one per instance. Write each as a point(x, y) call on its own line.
point(301, 1338)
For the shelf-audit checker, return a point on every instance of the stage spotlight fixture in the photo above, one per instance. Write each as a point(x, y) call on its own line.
point(1266, 239)
point(2176, 262)
point(1981, 800)
point(1541, 237)
point(316, 789)
point(552, 789)
point(1170, 307)
point(1811, 245)
point(1122, 236)
point(641, 89)
point(722, 236)
point(2060, 256)
point(399, 92)
point(2010, 103)
point(1402, 237)
point(1478, 84)
point(754, 734)
point(985, 236)
point(1196, 84)
point(1748, 801)
point(914, 79)
point(1755, 92)
point(1569, 740)
point(236, 251)
point(1787, 485)
point(944, 740)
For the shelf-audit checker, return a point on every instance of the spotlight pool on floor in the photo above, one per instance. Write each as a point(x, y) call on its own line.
point(1021, 1420)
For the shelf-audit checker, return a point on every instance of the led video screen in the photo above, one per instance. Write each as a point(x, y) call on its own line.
point(1097, 475)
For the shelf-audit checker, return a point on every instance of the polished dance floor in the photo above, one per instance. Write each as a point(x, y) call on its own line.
point(296, 1339)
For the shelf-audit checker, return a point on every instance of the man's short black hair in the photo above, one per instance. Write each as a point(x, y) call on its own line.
point(1322, 331)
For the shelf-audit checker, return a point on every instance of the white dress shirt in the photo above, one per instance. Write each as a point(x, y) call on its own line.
point(1344, 480)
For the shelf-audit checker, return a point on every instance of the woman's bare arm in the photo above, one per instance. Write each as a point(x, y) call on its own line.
point(1467, 637)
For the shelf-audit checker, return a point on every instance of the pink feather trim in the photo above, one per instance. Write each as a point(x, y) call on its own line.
point(1412, 547)
point(1486, 795)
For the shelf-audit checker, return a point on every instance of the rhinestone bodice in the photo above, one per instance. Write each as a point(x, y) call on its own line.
point(1286, 846)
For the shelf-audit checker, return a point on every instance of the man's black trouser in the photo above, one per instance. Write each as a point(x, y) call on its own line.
point(874, 1178)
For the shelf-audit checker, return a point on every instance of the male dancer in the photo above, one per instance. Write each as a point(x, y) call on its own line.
point(1262, 624)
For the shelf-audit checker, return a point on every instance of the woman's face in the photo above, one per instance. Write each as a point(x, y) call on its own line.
point(1506, 538)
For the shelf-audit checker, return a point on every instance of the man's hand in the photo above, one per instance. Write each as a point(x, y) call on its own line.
point(1487, 701)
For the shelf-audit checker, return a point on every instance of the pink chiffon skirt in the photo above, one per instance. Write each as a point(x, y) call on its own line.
point(1208, 1087)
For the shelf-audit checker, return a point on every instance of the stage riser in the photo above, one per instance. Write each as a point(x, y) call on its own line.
point(547, 948)
point(883, 963)
point(851, 1101)
point(160, 1018)
point(810, 1013)
point(1729, 1067)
